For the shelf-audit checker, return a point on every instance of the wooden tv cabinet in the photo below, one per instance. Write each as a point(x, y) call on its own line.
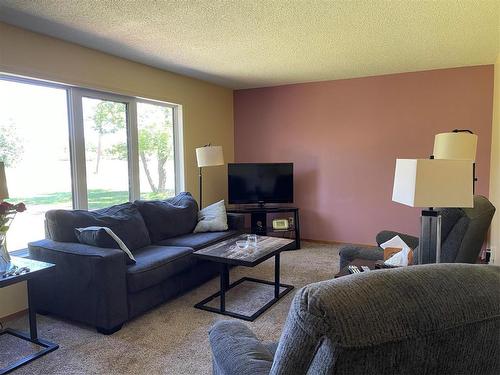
point(259, 220)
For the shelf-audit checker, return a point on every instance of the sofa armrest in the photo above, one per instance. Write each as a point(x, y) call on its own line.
point(88, 284)
point(386, 235)
point(236, 350)
point(236, 221)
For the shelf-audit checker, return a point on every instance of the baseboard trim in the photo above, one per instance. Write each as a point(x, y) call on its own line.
point(320, 241)
point(16, 315)
point(336, 242)
point(22, 253)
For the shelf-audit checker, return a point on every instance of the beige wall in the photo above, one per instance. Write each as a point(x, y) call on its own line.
point(12, 299)
point(495, 167)
point(207, 108)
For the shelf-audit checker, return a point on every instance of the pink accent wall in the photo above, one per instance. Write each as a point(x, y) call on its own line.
point(344, 137)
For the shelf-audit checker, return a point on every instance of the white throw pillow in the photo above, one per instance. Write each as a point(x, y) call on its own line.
point(212, 218)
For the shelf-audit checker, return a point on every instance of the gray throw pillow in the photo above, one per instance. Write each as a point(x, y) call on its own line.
point(103, 237)
point(212, 218)
point(125, 221)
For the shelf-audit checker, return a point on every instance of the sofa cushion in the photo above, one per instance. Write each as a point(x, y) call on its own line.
point(157, 263)
point(169, 218)
point(198, 240)
point(124, 220)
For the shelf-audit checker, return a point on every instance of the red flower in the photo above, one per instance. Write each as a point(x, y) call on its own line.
point(20, 207)
point(5, 207)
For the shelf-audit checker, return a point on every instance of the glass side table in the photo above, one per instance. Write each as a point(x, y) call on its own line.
point(36, 269)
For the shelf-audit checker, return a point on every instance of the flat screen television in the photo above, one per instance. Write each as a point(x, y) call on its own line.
point(260, 183)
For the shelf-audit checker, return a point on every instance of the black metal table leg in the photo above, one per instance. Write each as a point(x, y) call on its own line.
point(277, 276)
point(32, 312)
point(224, 285)
point(297, 229)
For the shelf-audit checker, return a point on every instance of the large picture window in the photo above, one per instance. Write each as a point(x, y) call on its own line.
point(67, 147)
point(106, 152)
point(34, 147)
point(156, 150)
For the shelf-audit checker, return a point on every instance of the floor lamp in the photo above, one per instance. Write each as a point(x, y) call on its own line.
point(208, 156)
point(430, 183)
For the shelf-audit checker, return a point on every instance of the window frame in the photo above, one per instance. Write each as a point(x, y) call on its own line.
point(76, 141)
point(178, 140)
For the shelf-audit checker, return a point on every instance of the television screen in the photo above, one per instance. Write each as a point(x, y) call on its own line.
point(260, 183)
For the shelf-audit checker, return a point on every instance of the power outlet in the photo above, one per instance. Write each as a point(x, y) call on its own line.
point(486, 255)
point(492, 253)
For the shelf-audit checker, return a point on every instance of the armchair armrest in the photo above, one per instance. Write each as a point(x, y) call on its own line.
point(386, 235)
point(88, 284)
point(236, 221)
point(236, 350)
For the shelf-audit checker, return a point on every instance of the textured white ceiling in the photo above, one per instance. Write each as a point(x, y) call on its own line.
point(243, 43)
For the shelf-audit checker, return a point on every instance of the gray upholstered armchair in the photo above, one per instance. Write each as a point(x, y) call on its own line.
point(463, 231)
point(427, 319)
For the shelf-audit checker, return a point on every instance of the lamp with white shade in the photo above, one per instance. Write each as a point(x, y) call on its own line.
point(208, 156)
point(432, 183)
point(460, 144)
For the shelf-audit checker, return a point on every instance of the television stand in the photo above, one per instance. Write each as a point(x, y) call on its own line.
point(258, 218)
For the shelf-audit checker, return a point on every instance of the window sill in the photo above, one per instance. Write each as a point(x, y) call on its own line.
point(22, 253)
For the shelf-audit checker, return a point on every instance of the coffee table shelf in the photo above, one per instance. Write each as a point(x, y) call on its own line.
point(203, 305)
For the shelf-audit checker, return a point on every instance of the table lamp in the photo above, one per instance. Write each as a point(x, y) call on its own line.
point(208, 156)
point(460, 144)
point(432, 183)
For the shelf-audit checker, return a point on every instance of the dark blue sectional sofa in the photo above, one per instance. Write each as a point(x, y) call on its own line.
point(98, 286)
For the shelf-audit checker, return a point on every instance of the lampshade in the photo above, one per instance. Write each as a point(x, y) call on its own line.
point(433, 183)
point(209, 156)
point(4, 192)
point(456, 145)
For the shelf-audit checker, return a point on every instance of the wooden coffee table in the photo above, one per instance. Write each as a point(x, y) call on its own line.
point(227, 254)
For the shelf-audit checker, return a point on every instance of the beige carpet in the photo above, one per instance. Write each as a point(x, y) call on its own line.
point(172, 338)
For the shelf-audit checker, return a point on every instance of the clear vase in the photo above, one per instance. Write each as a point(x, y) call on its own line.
point(4, 255)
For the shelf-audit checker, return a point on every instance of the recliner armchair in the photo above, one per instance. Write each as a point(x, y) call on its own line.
point(426, 319)
point(463, 231)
